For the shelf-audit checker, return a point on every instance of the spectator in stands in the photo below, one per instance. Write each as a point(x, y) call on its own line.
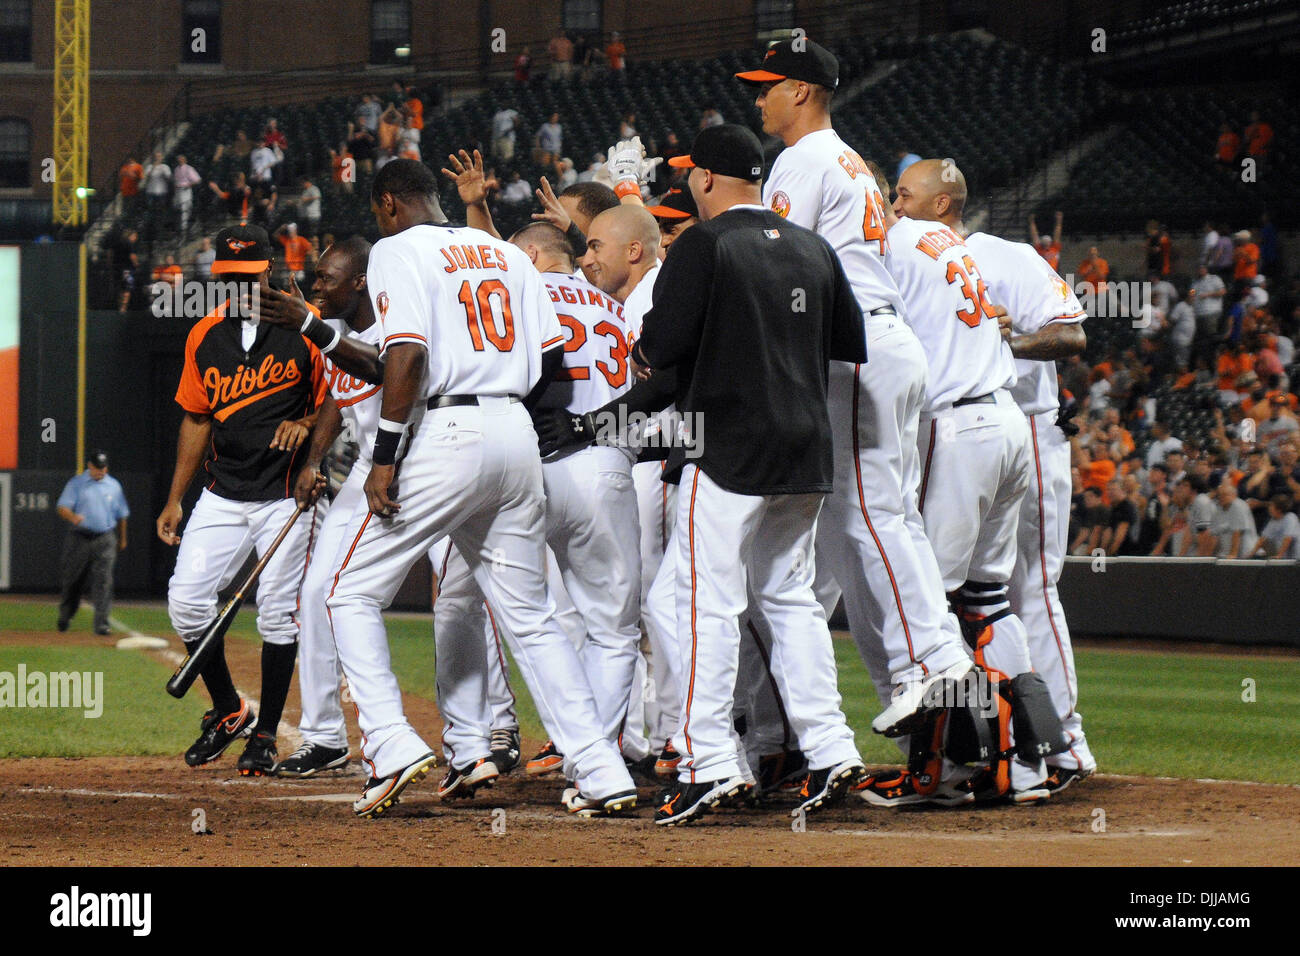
point(157, 184)
point(184, 178)
point(1094, 521)
point(367, 115)
point(1208, 305)
point(1279, 427)
point(1093, 271)
point(262, 205)
point(262, 162)
point(125, 261)
point(273, 136)
point(408, 138)
point(616, 55)
point(129, 178)
point(390, 125)
point(1049, 247)
point(1256, 486)
point(1158, 248)
point(1163, 293)
point(1175, 467)
point(1154, 510)
point(516, 191)
point(672, 147)
point(240, 148)
point(1123, 518)
point(168, 271)
point(905, 158)
point(1231, 527)
point(561, 52)
point(584, 57)
point(1209, 242)
point(549, 141)
point(203, 260)
point(1182, 329)
point(505, 123)
point(413, 110)
point(1226, 148)
point(309, 206)
point(589, 174)
point(524, 66)
point(1237, 376)
point(1280, 538)
point(237, 198)
point(710, 117)
point(627, 127)
point(566, 175)
point(1187, 532)
point(1162, 443)
point(361, 145)
point(1245, 260)
point(1259, 137)
point(297, 251)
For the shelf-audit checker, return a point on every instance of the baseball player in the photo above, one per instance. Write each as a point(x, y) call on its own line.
point(590, 513)
point(1046, 323)
point(676, 213)
point(249, 390)
point(466, 320)
point(870, 537)
point(748, 363)
point(339, 296)
point(974, 443)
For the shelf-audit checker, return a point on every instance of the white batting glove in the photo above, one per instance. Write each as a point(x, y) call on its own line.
point(624, 160)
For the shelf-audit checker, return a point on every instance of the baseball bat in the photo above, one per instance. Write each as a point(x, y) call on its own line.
point(198, 658)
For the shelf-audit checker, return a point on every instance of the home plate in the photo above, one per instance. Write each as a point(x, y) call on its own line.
point(319, 798)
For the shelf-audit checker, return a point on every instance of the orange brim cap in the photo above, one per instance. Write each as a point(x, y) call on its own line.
point(681, 162)
point(255, 266)
point(667, 212)
point(759, 76)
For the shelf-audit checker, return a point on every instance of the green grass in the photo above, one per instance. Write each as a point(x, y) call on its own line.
point(137, 717)
point(1146, 713)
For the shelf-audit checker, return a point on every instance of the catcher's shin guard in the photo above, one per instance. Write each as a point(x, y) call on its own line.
point(1038, 727)
point(925, 753)
point(982, 733)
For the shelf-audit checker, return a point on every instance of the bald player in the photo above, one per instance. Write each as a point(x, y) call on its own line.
point(974, 443)
point(869, 535)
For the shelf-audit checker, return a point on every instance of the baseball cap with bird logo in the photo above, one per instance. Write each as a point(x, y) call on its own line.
point(241, 248)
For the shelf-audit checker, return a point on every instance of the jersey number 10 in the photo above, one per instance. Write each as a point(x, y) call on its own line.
point(482, 320)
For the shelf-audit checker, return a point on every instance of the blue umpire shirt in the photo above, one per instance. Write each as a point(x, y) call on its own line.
point(101, 503)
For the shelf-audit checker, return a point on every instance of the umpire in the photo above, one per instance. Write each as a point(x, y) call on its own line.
point(93, 504)
point(749, 311)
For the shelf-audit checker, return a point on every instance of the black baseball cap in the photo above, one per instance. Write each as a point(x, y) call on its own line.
point(796, 59)
point(728, 150)
point(241, 248)
point(677, 203)
point(97, 458)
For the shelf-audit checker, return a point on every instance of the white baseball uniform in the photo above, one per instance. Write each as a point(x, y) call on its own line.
point(974, 441)
point(470, 472)
point(318, 662)
point(869, 536)
point(590, 527)
point(1034, 295)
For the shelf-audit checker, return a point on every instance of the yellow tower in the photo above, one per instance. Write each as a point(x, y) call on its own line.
point(71, 109)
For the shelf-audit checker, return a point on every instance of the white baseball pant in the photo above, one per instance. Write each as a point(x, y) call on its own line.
point(216, 541)
point(1043, 537)
point(725, 543)
point(870, 536)
point(471, 473)
point(975, 472)
point(657, 510)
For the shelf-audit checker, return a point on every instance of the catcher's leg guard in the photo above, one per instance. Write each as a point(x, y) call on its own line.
point(985, 734)
point(1039, 732)
point(926, 751)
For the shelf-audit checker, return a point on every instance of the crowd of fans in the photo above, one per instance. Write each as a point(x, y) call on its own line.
point(1216, 344)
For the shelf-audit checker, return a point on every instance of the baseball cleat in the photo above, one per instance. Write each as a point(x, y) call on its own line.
point(982, 787)
point(824, 787)
point(507, 751)
point(310, 759)
point(902, 788)
point(1062, 777)
point(643, 768)
point(781, 770)
point(913, 700)
point(548, 760)
point(219, 733)
point(381, 793)
point(683, 802)
point(463, 783)
point(258, 758)
point(666, 764)
point(575, 802)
